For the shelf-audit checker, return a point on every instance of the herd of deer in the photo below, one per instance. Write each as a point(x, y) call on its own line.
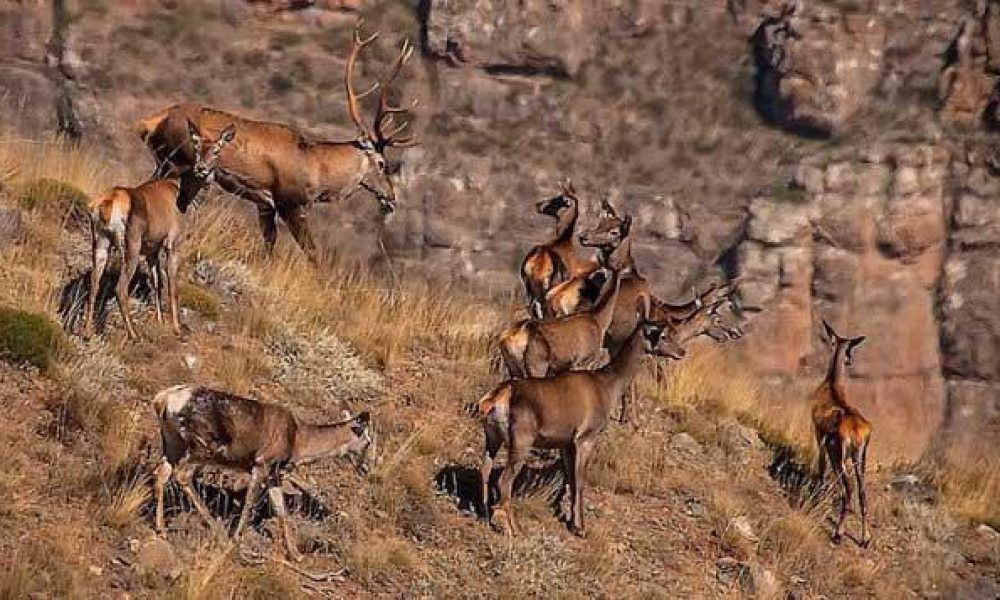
point(590, 323)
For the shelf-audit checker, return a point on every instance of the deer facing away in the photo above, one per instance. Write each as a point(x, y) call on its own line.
point(141, 221)
point(565, 412)
point(200, 426)
point(841, 432)
point(539, 348)
point(282, 171)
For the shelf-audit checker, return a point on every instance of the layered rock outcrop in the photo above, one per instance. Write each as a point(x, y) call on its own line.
point(815, 65)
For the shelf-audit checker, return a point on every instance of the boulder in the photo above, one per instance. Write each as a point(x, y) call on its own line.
point(535, 36)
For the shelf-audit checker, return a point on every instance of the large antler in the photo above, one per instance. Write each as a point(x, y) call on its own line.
point(352, 98)
point(384, 115)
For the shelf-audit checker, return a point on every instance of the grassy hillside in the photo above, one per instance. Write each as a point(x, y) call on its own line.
point(706, 497)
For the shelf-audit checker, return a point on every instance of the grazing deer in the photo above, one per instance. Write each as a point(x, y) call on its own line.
point(282, 171)
point(200, 426)
point(141, 221)
point(547, 264)
point(841, 431)
point(539, 348)
point(565, 412)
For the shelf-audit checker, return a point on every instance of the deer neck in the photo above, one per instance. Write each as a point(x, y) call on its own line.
point(622, 369)
point(605, 309)
point(620, 258)
point(836, 371)
point(315, 442)
point(566, 226)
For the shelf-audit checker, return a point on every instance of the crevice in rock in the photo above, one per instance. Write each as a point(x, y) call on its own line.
point(548, 70)
point(67, 118)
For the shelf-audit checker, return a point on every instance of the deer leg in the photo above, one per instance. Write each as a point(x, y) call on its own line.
point(153, 263)
point(182, 473)
point(161, 477)
point(101, 245)
point(845, 483)
point(583, 449)
point(173, 265)
point(130, 262)
point(569, 480)
point(820, 459)
point(859, 474)
point(255, 476)
point(298, 225)
point(515, 462)
point(491, 448)
point(277, 501)
point(268, 226)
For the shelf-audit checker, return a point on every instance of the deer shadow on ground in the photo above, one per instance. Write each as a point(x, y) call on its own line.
point(543, 478)
point(73, 297)
point(226, 503)
point(803, 490)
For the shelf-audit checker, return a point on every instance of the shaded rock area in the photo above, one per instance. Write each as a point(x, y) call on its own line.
point(815, 65)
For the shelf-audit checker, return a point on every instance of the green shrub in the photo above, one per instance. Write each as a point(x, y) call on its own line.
point(198, 300)
point(27, 338)
point(280, 83)
point(51, 195)
point(786, 191)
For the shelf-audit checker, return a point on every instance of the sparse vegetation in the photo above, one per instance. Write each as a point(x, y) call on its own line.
point(27, 338)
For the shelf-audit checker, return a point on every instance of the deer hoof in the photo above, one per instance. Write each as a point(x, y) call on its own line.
point(836, 538)
point(865, 543)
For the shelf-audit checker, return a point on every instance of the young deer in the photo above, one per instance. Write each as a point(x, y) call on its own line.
point(547, 264)
point(539, 348)
point(282, 171)
point(841, 431)
point(141, 221)
point(565, 412)
point(200, 426)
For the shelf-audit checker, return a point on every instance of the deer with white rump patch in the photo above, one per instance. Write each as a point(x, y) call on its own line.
point(142, 221)
point(201, 426)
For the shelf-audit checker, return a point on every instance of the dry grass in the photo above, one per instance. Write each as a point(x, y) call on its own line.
point(126, 502)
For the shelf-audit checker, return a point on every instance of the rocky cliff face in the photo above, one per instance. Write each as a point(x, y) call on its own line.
point(889, 229)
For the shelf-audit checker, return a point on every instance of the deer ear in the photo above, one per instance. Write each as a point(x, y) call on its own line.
point(346, 414)
point(855, 342)
point(830, 333)
point(626, 225)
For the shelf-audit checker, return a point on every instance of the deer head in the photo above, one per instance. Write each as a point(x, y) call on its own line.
point(838, 342)
point(557, 205)
point(661, 341)
point(207, 151)
point(608, 233)
point(384, 132)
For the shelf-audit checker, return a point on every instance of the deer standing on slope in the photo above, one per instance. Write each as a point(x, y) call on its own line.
point(547, 264)
point(841, 431)
point(282, 171)
point(141, 221)
point(565, 412)
point(539, 348)
point(200, 426)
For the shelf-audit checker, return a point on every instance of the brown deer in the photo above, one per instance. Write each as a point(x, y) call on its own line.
point(141, 221)
point(841, 431)
point(200, 426)
point(614, 252)
point(539, 348)
point(281, 170)
point(547, 264)
point(565, 412)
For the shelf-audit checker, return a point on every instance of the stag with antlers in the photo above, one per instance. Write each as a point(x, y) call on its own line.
point(281, 170)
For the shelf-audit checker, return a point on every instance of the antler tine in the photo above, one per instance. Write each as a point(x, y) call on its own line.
point(385, 110)
point(352, 99)
point(368, 92)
